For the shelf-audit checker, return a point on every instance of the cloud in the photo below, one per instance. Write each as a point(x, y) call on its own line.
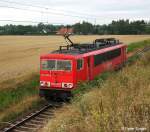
point(103, 10)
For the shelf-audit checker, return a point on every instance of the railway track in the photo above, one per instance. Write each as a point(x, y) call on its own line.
point(146, 49)
point(34, 121)
point(139, 53)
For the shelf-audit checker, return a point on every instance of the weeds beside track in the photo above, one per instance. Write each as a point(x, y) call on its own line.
point(34, 121)
point(119, 103)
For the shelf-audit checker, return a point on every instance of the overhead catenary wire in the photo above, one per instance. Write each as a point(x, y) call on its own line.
point(50, 11)
point(47, 12)
point(42, 7)
point(36, 22)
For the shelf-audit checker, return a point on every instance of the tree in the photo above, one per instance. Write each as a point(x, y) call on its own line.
point(115, 27)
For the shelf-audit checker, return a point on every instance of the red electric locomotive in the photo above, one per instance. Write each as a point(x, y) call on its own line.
point(61, 70)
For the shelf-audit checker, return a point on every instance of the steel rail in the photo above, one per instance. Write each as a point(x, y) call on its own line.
point(26, 121)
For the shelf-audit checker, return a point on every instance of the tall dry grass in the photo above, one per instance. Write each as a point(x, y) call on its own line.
point(122, 101)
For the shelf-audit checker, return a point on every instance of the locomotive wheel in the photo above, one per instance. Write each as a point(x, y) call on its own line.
point(66, 96)
point(58, 95)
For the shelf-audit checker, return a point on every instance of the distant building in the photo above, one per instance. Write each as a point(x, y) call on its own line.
point(64, 30)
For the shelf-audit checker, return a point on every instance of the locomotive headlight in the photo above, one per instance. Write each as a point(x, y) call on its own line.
point(42, 83)
point(45, 84)
point(67, 85)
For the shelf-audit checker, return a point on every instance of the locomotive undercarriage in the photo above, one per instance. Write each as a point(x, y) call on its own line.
point(55, 95)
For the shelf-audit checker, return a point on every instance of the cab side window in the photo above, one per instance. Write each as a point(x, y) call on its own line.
point(79, 64)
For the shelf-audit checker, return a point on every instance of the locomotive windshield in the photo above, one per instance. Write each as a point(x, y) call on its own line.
point(54, 65)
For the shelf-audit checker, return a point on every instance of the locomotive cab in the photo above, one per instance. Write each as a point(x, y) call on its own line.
point(56, 74)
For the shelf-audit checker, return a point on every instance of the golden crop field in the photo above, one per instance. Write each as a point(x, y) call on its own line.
point(19, 55)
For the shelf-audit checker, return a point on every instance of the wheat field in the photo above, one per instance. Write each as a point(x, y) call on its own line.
point(19, 55)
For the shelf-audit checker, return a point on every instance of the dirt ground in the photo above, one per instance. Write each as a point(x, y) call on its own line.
point(19, 55)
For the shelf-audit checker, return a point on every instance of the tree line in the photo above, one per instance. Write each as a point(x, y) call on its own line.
point(115, 27)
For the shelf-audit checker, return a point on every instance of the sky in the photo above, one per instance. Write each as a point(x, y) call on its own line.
point(72, 11)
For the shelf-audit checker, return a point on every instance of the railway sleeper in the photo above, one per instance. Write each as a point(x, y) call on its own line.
point(39, 118)
point(43, 115)
point(36, 121)
point(16, 130)
point(27, 128)
point(32, 124)
point(47, 113)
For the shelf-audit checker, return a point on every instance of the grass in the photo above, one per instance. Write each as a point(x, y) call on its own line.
point(112, 102)
point(14, 95)
point(87, 86)
point(138, 45)
point(134, 47)
point(15, 101)
point(19, 109)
